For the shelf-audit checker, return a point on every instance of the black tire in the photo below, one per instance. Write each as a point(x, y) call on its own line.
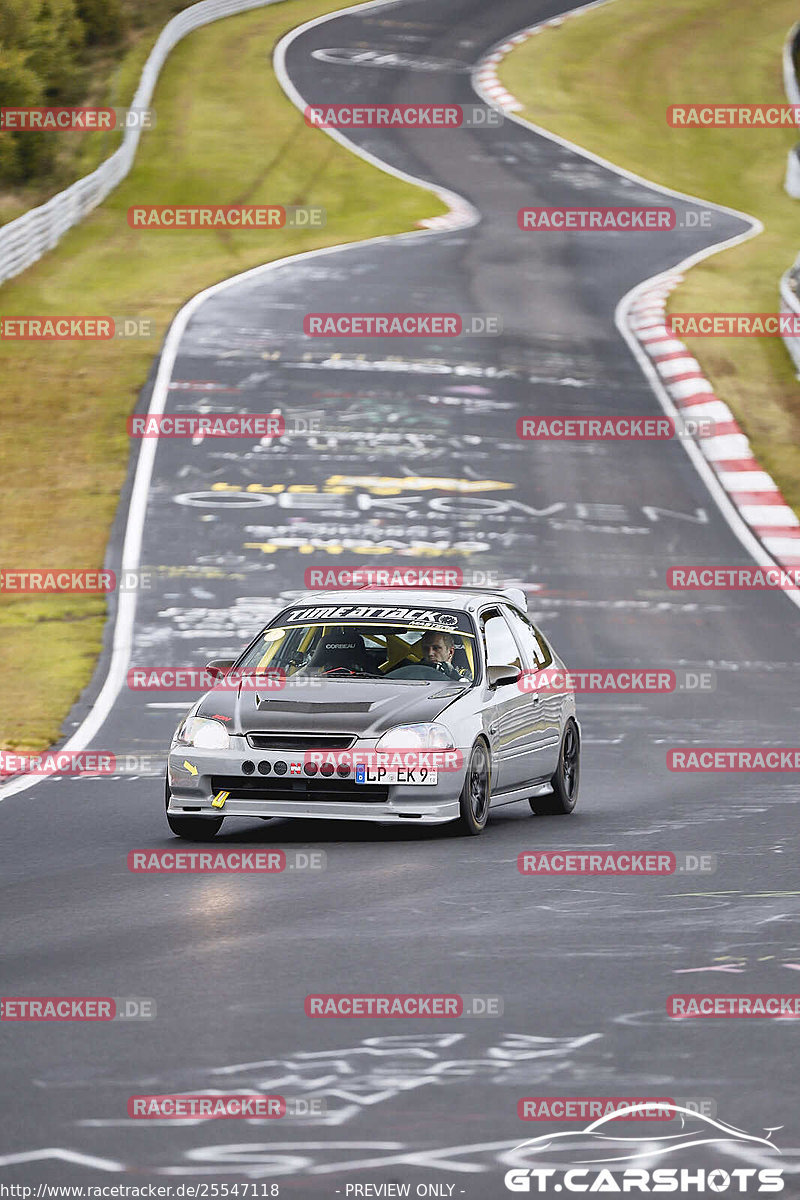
point(476, 792)
point(567, 778)
point(194, 829)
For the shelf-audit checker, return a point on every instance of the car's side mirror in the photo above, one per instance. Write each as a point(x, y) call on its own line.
point(218, 667)
point(502, 675)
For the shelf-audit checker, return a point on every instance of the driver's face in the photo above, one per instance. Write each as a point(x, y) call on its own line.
point(435, 650)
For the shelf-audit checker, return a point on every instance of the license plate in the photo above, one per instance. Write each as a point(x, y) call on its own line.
point(407, 775)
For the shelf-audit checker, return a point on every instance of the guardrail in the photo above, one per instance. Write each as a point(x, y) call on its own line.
point(791, 48)
point(24, 240)
point(790, 303)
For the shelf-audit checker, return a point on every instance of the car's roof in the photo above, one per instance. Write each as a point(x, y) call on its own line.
point(465, 599)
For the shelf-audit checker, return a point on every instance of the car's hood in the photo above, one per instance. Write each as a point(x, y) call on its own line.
point(362, 707)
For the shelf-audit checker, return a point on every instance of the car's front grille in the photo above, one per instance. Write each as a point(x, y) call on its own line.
point(271, 788)
point(300, 741)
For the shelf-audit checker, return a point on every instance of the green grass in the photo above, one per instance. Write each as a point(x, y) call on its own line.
point(225, 134)
point(604, 80)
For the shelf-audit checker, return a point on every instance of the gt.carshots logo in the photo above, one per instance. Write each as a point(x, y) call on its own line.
point(680, 1180)
point(605, 1150)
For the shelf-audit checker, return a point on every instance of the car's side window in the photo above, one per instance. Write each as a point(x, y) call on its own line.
point(501, 649)
point(533, 644)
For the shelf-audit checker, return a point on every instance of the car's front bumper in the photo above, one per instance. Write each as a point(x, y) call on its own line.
point(197, 776)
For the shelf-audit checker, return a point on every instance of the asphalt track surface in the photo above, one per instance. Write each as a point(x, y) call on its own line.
point(584, 965)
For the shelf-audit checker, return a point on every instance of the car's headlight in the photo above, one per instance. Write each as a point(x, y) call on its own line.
point(203, 734)
point(426, 736)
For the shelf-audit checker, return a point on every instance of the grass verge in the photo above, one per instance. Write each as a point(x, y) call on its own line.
point(604, 79)
point(225, 134)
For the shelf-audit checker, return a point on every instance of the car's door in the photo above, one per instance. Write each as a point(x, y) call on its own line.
point(506, 707)
point(545, 710)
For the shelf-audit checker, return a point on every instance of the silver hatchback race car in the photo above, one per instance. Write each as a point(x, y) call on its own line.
point(380, 705)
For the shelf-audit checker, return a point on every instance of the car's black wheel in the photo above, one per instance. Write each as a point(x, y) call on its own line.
point(476, 792)
point(195, 829)
point(566, 779)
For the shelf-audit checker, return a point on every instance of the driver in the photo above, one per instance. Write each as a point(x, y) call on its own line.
point(437, 651)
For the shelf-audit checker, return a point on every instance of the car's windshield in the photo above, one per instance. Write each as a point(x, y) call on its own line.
point(356, 642)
